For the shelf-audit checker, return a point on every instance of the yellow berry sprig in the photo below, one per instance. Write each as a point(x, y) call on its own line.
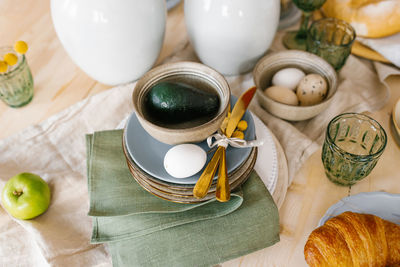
point(10, 59)
point(242, 126)
point(21, 47)
point(3, 66)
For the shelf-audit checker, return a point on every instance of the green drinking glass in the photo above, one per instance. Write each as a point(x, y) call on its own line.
point(16, 85)
point(353, 144)
point(331, 39)
point(297, 39)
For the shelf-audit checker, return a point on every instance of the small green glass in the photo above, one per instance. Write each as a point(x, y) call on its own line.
point(16, 85)
point(353, 144)
point(297, 39)
point(331, 39)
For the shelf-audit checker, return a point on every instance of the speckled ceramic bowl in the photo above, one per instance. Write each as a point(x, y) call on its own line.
point(307, 62)
point(195, 74)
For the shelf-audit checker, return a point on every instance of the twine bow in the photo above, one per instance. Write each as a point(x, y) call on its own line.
point(222, 140)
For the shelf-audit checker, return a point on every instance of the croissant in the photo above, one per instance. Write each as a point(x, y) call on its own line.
point(354, 240)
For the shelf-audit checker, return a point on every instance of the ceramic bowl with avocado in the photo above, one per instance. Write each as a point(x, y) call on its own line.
point(283, 68)
point(183, 102)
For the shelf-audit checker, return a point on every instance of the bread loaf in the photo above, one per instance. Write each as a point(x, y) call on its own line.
point(354, 240)
point(370, 18)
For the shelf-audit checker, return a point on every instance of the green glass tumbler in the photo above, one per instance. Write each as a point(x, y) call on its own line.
point(353, 144)
point(331, 39)
point(16, 85)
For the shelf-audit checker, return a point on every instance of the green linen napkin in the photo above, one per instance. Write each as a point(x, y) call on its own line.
point(143, 230)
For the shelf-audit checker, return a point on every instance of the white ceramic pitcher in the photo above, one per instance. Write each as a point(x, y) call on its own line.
point(231, 35)
point(114, 41)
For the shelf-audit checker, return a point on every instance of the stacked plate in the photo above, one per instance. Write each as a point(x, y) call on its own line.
point(145, 157)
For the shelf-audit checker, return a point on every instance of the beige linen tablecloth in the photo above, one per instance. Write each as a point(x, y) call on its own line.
point(55, 149)
point(389, 47)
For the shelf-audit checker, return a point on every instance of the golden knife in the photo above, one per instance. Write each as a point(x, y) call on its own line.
point(203, 184)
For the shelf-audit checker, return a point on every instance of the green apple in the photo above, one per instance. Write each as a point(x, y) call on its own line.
point(25, 196)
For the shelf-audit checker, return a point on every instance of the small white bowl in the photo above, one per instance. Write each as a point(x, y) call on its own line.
point(307, 62)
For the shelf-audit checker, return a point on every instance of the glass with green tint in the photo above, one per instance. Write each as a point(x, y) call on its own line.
point(353, 144)
point(16, 85)
point(331, 39)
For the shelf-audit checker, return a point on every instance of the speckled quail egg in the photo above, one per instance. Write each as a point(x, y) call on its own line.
point(184, 160)
point(288, 77)
point(311, 90)
point(282, 95)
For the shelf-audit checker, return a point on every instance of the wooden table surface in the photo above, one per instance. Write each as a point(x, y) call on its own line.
point(59, 83)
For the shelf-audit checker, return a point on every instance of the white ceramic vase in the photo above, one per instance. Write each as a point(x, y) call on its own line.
point(231, 35)
point(114, 42)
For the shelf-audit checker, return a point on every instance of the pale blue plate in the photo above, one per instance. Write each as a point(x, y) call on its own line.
point(381, 204)
point(172, 3)
point(148, 153)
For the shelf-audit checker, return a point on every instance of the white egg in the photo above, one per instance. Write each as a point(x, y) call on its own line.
point(282, 95)
point(184, 160)
point(288, 77)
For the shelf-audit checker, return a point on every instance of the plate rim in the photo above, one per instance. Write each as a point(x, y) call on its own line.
point(274, 169)
point(341, 202)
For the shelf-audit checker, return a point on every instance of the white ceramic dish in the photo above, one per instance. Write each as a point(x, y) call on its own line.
point(381, 204)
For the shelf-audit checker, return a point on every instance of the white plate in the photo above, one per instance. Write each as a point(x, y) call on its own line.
point(381, 204)
point(267, 159)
